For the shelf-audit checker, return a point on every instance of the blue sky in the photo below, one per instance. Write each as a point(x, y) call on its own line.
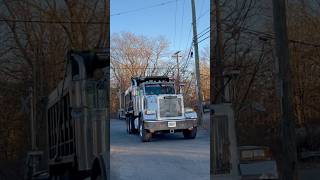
point(171, 20)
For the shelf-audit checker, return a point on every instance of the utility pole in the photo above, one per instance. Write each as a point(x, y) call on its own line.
point(196, 58)
point(176, 55)
point(289, 150)
point(223, 147)
point(212, 91)
point(218, 69)
point(105, 45)
point(217, 85)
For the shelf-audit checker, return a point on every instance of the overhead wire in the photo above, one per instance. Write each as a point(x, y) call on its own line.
point(51, 21)
point(201, 6)
point(182, 22)
point(267, 35)
point(203, 39)
point(175, 24)
point(144, 8)
point(202, 15)
point(272, 36)
point(83, 21)
point(202, 33)
point(187, 61)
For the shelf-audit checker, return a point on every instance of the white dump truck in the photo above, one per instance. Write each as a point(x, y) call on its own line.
point(152, 105)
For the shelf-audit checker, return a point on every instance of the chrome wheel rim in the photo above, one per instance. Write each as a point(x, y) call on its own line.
point(140, 129)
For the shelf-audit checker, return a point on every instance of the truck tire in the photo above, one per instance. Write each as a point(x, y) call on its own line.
point(128, 123)
point(134, 130)
point(190, 134)
point(144, 134)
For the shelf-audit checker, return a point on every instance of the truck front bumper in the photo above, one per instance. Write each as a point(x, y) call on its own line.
point(163, 125)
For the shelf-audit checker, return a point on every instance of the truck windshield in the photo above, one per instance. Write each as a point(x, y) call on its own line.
point(156, 89)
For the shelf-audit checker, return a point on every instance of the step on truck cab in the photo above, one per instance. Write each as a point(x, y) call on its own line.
point(152, 106)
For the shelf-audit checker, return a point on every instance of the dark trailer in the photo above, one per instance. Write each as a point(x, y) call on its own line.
point(77, 118)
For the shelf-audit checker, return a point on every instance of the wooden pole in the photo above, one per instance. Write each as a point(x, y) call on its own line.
point(218, 69)
point(289, 150)
point(196, 52)
point(177, 81)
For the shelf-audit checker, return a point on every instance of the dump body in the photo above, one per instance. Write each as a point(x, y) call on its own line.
point(77, 116)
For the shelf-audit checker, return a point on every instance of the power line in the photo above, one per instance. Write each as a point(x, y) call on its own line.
point(204, 30)
point(51, 21)
point(204, 39)
point(272, 36)
point(84, 22)
point(188, 59)
point(189, 53)
point(188, 41)
point(265, 35)
point(182, 21)
point(203, 34)
point(201, 6)
point(175, 24)
point(201, 15)
point(194, 37)
point(144, 8)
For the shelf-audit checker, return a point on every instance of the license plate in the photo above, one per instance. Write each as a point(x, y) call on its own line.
point(172, 124)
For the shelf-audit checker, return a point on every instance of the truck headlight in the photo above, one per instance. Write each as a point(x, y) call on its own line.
point(149, 112)
point(190, 115)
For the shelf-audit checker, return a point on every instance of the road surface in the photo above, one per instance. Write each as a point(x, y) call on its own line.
point(167, 157)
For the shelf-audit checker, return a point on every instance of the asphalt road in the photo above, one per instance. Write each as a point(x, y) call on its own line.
point(167, 157)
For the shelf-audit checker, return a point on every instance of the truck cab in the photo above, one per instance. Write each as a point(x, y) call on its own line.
point(153, 106)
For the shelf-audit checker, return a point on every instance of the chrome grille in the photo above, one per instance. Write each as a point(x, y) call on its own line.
point(170, 106)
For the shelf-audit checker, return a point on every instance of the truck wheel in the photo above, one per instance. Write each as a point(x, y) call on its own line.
point(133, 129)
point(128, 122)
point(190, 134)
point(144, 134)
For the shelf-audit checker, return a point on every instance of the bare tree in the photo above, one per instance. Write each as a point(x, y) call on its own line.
point(133, 55)
point(38, 35)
